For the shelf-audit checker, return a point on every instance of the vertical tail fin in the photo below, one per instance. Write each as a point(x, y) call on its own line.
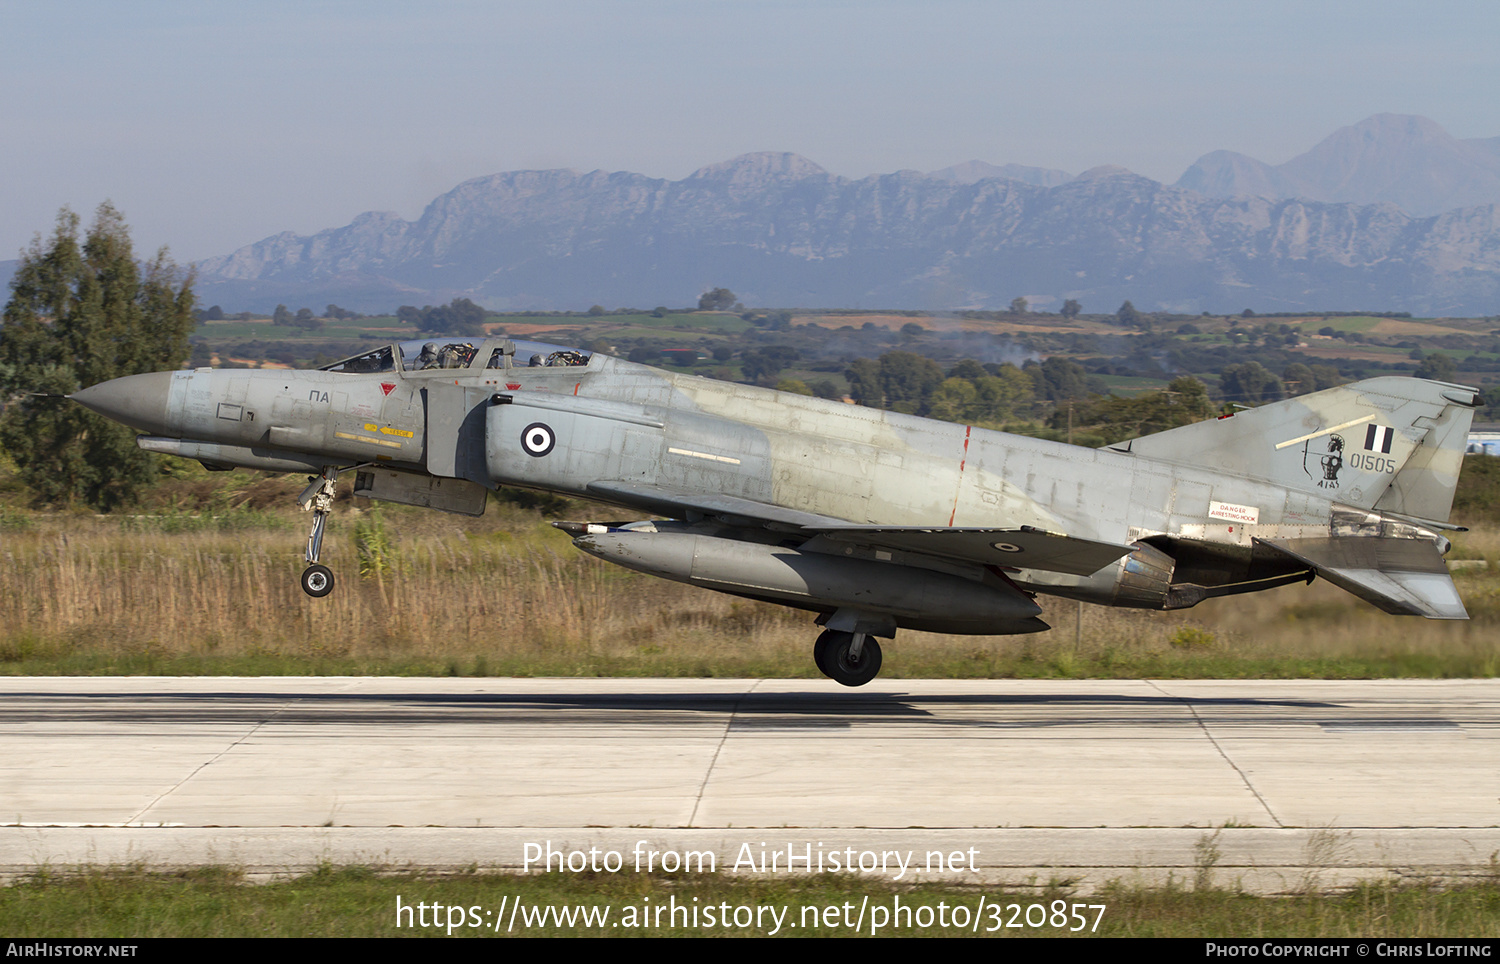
point(1393, 444)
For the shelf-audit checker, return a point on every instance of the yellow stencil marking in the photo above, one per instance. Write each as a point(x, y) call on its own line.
point(372, 441)
point(372, 427)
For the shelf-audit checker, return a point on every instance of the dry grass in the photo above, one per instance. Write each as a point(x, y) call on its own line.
point(1480, 543)
point(507, 595)
point(360, 901)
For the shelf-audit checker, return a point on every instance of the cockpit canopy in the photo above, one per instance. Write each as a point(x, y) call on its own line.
point(430, 354)
point(378, 360)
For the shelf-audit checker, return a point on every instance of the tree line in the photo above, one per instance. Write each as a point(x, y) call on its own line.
point(82, 311)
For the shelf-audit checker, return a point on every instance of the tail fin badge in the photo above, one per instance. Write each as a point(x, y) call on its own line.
point(1329, 463)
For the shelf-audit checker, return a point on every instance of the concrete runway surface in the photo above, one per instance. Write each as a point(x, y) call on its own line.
point(1272, 784)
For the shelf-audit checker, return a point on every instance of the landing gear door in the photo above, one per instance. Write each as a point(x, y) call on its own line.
point(412, 488)
point(455, 431)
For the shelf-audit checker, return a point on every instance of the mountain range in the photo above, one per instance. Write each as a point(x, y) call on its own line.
point(1399, 159)
point(1389, 214)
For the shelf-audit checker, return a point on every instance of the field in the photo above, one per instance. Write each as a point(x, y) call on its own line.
point(817, 347)
point(361, 902)
point(204, 581)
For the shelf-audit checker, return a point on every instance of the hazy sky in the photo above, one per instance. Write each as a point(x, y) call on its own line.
point(213, 125)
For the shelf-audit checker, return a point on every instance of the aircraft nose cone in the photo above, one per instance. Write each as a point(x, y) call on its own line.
point(139, 401)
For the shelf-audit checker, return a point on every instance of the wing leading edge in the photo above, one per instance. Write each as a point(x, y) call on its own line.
point(1020, 548)
point(1023, 548)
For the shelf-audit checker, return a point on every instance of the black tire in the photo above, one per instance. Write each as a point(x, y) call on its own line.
point(850, 673)
point(824, 646)
point(317, 581)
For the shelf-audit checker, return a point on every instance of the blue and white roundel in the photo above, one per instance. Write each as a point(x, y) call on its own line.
point(537, 439)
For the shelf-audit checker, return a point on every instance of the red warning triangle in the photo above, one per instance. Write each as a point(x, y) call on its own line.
point(387, 387)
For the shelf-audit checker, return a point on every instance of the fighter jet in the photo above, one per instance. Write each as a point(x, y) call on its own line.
point(873, 520)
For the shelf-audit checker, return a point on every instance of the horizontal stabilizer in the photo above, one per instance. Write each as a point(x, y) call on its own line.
point(1026, 548)
point(1405, 577)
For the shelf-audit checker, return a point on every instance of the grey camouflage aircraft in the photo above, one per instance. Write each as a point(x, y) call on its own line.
point(871, 519)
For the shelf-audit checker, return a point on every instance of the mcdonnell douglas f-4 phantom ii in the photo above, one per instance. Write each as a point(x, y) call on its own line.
point(873, 520)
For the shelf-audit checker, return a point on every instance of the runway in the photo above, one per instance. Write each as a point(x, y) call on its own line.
point(1266, 783)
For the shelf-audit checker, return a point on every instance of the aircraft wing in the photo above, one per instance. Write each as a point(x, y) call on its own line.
point(1404, 577)
point(1025, 547)
point(1021, 548)
point(730, 509)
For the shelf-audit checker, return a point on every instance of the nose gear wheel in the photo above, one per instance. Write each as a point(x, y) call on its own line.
point(317, 581)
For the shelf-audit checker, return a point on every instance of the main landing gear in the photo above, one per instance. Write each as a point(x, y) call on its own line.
point(852, 659)
point(317, 580)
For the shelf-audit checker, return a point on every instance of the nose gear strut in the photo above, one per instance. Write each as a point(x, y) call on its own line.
point(317, 580)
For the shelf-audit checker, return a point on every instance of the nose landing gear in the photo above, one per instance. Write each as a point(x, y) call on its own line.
point(317, 580)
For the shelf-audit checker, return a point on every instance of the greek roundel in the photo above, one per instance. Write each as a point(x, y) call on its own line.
point(537, 439)
point(1378, 438)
